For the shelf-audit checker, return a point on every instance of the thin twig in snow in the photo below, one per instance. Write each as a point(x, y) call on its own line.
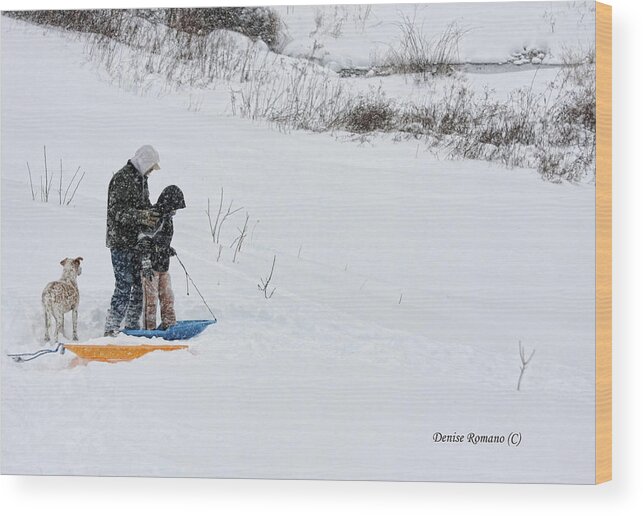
point(33, 194)
point(71, 198)
point(263, 285)
point(44, 150)
point(524, 362)
point(69, 185)
point(240, 239)
point(215, 229)
point(60, 184)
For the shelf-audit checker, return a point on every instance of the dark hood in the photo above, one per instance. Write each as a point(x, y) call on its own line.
point(171, 199)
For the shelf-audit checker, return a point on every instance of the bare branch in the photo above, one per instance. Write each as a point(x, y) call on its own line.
point(69, 185)
point(228, 213)
point(44, 150)
point(240, 239)
point(71, 198)
point(523, 361)
point(265, 284)
point(215, 228)
point(212, 232)
point(33, 194)
point(60, 184)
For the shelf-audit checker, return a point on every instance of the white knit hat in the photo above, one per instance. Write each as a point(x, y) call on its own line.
point(145, 159)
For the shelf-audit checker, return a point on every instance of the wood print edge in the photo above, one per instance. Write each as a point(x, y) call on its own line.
point(603, 399)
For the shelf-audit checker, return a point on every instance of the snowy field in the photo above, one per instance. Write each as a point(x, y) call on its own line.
point(404, 283)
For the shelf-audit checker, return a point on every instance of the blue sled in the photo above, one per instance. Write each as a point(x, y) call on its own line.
point(182, 330)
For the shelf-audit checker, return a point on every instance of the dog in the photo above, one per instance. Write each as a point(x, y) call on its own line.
point(62, 296)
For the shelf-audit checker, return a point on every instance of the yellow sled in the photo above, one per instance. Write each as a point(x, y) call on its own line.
point(116, 353)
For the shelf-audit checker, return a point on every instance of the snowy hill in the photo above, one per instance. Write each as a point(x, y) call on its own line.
point(403, 285)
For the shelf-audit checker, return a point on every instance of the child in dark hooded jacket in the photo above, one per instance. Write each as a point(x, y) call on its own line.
point(155, 248)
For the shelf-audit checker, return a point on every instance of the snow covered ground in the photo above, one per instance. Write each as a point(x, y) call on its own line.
point(350, 36)
point(404, 284)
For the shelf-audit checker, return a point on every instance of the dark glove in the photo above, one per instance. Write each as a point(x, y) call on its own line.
point(149, 218)
point(146, 266)
point(172, 251)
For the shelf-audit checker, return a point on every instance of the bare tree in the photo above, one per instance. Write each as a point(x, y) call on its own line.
point(264, 285)
point(524, 362)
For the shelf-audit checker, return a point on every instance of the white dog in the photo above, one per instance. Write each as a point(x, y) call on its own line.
point(59, 297)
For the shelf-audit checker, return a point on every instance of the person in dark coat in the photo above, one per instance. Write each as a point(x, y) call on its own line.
point(129, 211)
point(156, 250)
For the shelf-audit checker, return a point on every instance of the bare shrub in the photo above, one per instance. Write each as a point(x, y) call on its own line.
point(578, 108)
point(558, 164)
point(255, 22)
point(567, 149)
point(510, 122)
point(420, 55)
point(303, 96)
point(368, 115)
point(527, 129)
point(361, 14)
point(327, 24)
point(453, 113)
point(178, 58)
point(47, 180)
point(96, 21)
point(137, 47)
point(578, 55)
